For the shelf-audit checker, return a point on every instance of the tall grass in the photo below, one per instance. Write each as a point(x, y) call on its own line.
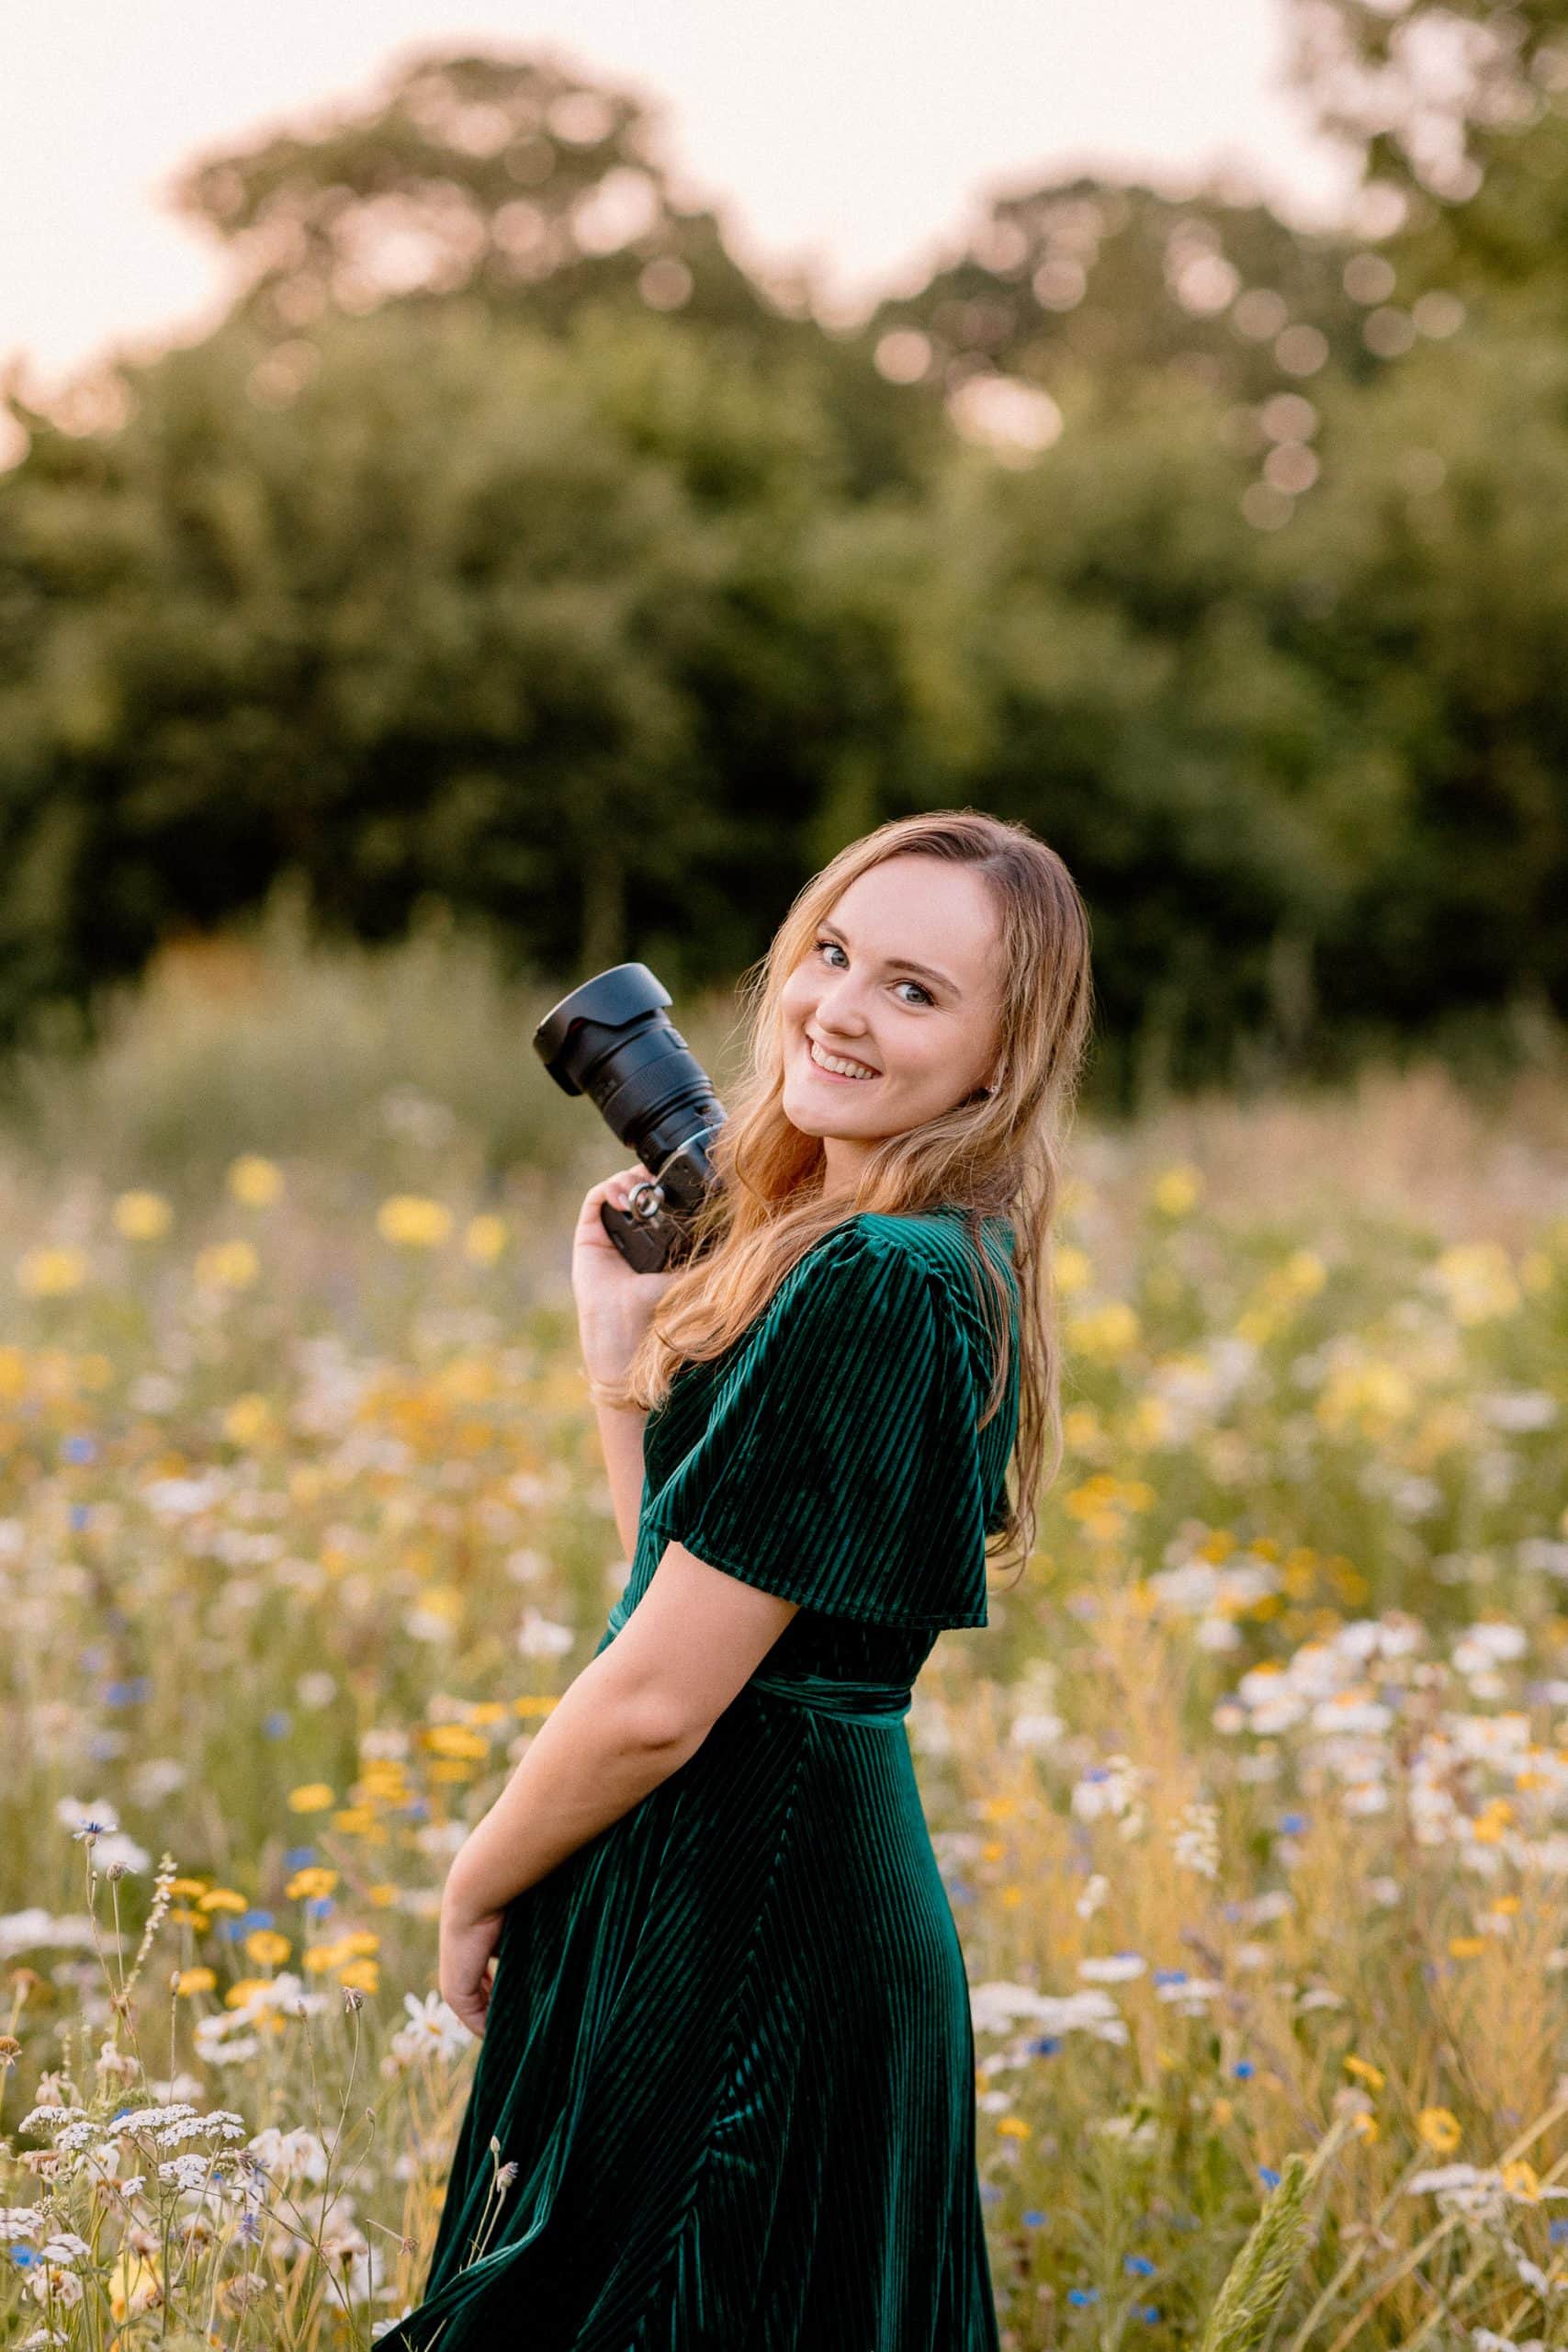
point(1251, 1801)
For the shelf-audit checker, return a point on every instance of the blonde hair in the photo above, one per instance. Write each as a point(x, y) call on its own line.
point(991, 1154)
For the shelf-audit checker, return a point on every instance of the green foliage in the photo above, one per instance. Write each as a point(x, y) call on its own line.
point(536, 564)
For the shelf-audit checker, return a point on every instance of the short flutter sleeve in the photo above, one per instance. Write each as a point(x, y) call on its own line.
point(838, 1467)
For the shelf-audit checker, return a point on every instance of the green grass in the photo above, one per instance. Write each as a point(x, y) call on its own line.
point(1250, 1800)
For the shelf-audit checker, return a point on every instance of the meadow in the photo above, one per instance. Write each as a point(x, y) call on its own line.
point(1251, 1801)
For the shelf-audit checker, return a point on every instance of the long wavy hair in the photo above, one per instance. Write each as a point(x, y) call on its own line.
point(991, 1154)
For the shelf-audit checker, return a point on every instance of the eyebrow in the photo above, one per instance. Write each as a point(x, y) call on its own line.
point(900, 962)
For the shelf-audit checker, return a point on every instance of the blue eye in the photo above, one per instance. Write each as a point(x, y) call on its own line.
point(903, 984)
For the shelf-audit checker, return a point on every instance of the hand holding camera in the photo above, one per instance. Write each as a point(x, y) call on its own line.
point(614, 1303)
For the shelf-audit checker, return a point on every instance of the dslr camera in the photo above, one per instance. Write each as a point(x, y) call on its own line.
point(612, 1040)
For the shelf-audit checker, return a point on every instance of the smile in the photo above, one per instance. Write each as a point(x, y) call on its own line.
point(838, 1065)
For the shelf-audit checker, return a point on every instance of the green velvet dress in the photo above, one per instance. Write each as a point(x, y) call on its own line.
point(730, 2046)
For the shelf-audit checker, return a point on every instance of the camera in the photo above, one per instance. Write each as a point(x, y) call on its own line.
point(612, 1040)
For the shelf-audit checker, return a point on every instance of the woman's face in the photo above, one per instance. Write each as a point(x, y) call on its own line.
point(902, 985)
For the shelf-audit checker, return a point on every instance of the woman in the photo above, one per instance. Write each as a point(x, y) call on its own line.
point(724, 2097)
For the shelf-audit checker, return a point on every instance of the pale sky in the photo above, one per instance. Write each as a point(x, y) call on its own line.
point(856, 134)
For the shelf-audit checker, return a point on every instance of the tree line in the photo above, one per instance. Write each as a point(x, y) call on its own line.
point(509, 546)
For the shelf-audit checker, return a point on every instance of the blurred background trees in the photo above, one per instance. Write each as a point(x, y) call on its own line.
point(510, 551)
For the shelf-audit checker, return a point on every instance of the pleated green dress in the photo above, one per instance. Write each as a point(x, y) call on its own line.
point(729, 2045)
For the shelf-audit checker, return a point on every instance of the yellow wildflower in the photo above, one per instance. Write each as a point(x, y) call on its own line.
point(248, 1418)
point(413, 1222)
point(227, 1265)
point(310, 1884)
point(254, 1182)
point(1439, 2129)
point(195, 1980)
point(1109, 1332)
point(453, 1739)
point(1521, 2179)
point(268, 1948)
point(1072, 1268)
point(317, 1957)
point(1178, 1190)
point(313, 1796)
point(50, 1273)
point(142, 1216)
point(1368, 2072)
point(361, 1977)
point(223, 1898)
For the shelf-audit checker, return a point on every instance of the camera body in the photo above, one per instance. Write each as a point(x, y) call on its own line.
point(612, 1040)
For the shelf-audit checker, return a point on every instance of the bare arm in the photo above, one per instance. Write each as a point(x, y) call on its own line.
point(634, 1715)
point(620, 1435)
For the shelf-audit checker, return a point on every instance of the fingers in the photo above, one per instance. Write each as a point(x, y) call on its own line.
point(620, 1187)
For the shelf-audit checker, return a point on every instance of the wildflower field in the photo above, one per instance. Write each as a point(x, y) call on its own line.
point(1252, 1800)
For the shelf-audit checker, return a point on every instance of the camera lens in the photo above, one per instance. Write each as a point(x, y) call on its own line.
point(612, 1040)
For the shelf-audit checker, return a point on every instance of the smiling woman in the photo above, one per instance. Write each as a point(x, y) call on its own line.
point(729, 2062)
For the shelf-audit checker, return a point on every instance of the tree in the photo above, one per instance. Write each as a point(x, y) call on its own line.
point(1460, 110)
point(505, 181)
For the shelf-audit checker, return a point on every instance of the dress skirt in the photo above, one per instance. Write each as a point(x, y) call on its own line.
point(730, 2050)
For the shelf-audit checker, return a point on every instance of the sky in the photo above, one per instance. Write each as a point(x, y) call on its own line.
point(855, 136)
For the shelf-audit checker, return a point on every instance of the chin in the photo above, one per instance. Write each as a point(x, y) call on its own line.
point(805, 1125)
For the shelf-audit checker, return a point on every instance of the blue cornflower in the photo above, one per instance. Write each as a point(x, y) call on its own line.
point(1170, 1976)
point(1046, 2045)
point(1293, 1824)
point(1149, 2312)
point(1267, 2175)
point(299, 1857)
point(275, 1725)
point(249, 1919)
point(78, 1448)
point(1034, 2217)
point(1138, 2265)
point(79, 1515)
point(1244, 2069)
point(1083, 2294)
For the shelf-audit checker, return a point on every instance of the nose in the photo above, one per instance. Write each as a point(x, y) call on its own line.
point(837, 1018)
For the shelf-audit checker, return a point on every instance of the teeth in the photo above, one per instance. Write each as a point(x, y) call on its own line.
point(832, 1061)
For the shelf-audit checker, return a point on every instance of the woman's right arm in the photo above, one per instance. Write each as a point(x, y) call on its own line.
point(614, 1306)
